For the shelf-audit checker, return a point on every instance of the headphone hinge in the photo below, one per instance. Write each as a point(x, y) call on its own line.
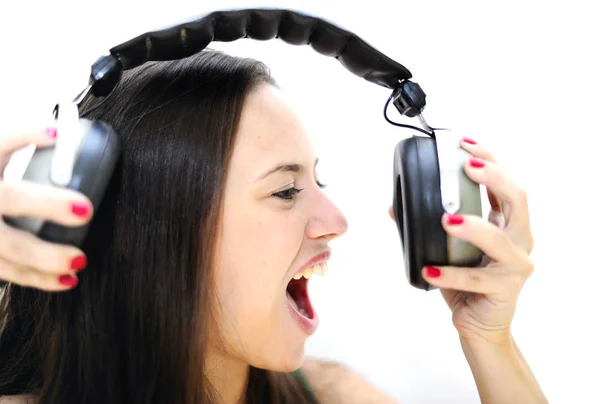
point(68, 143)
point(449, 166)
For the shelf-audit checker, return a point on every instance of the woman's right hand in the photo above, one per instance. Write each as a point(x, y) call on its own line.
point(25, 259)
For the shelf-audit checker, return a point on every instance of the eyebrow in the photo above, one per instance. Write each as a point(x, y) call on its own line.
point(286, 167)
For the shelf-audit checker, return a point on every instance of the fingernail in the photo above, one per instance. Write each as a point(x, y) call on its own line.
point(432, 272)
point(80, 209)
point(51, 132)
point(476, 163)
point(455, 219)
point(78, 263)
point(468, 140)
point(68, 280)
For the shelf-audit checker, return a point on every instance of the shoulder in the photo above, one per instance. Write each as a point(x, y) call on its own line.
point(22, 399)
point(333, 383)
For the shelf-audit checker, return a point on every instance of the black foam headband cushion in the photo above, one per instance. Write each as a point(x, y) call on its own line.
point(293, 27)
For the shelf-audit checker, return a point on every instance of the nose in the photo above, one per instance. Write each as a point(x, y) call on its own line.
point(326, 221)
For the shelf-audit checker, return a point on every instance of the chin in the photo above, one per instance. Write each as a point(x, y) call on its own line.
point(292, 364)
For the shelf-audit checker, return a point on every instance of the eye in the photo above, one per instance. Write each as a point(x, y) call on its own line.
point(288, 194)
point(320, 185)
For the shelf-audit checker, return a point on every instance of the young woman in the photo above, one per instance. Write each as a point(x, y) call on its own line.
point(187, 288)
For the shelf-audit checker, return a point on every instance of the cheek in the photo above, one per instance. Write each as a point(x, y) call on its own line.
point(256, 251)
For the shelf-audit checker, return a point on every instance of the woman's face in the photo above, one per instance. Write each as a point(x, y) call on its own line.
point(268, 235)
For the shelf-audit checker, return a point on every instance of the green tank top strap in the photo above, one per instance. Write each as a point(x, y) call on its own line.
point(298, 375)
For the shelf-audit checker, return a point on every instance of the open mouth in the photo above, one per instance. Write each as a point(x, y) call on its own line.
point(297, 290)
point(297, 294)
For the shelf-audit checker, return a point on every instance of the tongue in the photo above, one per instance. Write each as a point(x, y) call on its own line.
point(295, 305)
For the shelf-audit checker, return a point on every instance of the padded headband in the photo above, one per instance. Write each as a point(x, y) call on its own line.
point(293, 27)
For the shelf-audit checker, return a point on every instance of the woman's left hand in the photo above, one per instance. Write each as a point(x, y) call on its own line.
point(483, 299)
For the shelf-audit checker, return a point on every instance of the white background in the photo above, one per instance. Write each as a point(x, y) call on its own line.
point(518, 76)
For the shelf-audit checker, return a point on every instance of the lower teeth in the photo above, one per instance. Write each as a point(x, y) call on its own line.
point(303, 312)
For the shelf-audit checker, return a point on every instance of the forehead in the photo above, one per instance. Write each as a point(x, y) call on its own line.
point(270, 131)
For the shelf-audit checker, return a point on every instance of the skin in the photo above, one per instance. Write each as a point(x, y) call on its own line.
point(25, 259)
point(263, 240)
point(482, 300)
point(272, 237)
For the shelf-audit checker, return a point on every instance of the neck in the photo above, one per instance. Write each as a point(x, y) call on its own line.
point(228, 376)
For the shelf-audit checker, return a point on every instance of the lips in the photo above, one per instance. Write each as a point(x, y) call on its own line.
point(317, 259)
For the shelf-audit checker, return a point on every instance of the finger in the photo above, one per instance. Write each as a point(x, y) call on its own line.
point(495, 204)
point(480, 152)
point(28, 277)
point(13, 141)
point(492, 241)
point(477, 150)
point(25, 249)
point(391, 212)
point(497, 219)
point(59, 205)
point(4, 160)
point(475, 280)
point(498, 182)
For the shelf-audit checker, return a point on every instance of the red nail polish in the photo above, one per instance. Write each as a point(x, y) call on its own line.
point(78, 263)
point(68, 280)
point(455, 219)
point(469, 141)
point(432, 272)
point(80, 209)
point(476, 163)
point(51, 132)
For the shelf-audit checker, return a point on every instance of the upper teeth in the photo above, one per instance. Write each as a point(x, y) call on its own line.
point(318, 269)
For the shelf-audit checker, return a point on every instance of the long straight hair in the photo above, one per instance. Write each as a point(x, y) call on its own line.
point(135, 328)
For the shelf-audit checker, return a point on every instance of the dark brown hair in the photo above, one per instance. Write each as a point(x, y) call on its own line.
point(135, 328)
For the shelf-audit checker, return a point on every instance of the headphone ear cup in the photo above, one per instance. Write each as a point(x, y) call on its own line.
point(95, 166)
point(98, 156)
point(418, 209)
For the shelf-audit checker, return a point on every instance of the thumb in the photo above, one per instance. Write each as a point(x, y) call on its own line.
point(13, 141)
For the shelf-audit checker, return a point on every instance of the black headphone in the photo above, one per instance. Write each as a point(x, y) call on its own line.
point(428, 177)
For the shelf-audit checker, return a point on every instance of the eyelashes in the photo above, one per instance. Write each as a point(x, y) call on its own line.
point(290, 193)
